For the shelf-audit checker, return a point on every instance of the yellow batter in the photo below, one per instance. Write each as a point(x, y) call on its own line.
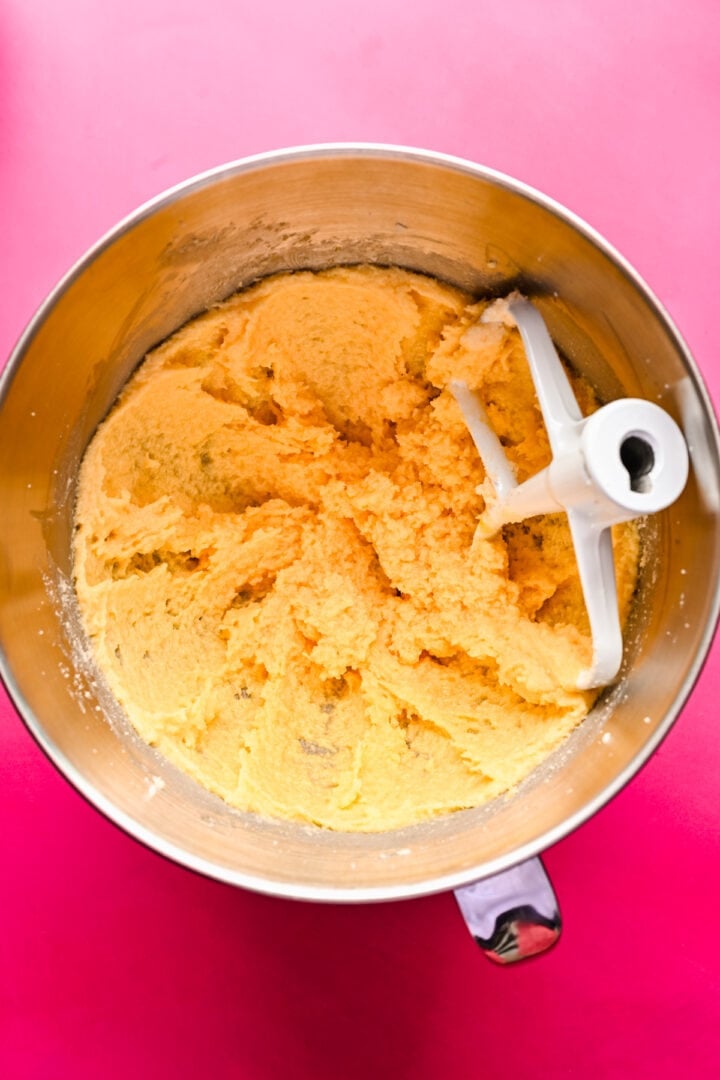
point(275, 558)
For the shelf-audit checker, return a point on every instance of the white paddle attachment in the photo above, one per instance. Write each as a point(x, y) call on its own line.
point(624, 461)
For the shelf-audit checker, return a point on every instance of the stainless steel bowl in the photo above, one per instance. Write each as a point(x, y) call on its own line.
point(313, 207)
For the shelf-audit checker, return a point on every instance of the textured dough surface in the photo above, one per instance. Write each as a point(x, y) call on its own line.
point(275, 564)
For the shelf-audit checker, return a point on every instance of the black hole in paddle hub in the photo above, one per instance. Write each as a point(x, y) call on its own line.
point(638, 457)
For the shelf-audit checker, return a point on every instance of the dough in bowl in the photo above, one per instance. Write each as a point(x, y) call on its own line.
point(276, 560)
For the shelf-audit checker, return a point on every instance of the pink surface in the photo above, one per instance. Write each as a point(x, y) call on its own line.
point(116, 963)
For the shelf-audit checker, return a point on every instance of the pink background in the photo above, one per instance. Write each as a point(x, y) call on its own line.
point(116, 963)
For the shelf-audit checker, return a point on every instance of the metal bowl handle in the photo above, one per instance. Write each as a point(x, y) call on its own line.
point(513, 915)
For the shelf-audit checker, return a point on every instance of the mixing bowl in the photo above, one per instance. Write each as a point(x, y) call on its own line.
point(310, 208)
